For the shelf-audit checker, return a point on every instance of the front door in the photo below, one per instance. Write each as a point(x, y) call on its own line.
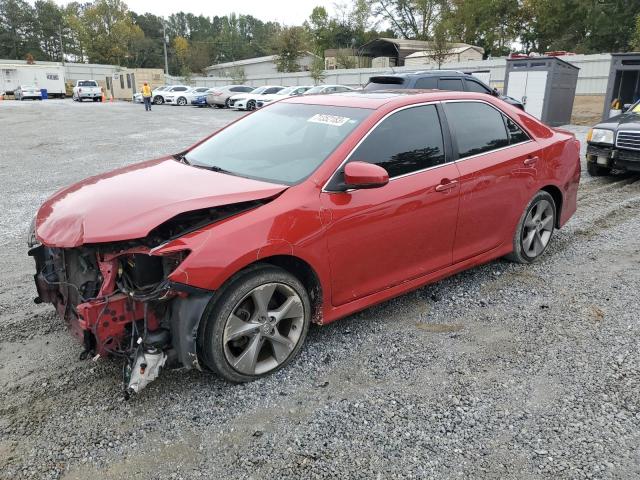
point(381, 237)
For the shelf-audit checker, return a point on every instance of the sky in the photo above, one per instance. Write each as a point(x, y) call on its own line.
point(291, 12)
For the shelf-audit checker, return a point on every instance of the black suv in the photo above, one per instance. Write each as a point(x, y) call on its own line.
point(615, 143)
point(438, 79)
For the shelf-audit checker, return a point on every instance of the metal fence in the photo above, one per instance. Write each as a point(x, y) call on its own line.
point(592, 80)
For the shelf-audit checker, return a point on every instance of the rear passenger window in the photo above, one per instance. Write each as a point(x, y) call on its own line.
point(450, 84)
point(516, 134)
point(476, 87)
point(427, 82)
point(477, 127)
point(405, 142)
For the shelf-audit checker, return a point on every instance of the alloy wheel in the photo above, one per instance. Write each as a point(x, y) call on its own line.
point(251, 105)
point(538, 227)
point(263, 328)
point(182, 101)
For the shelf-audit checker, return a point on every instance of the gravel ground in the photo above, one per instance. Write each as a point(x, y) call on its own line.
point(504, 371)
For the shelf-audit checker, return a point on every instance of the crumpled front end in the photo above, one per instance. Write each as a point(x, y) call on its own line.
point(117, 300)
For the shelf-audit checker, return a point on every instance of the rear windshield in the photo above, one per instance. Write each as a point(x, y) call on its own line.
point(87, 83)
point(283, 143)
point(384, 83)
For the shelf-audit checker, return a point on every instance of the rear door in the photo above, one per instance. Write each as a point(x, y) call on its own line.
point(381, 237)
point(496, 160)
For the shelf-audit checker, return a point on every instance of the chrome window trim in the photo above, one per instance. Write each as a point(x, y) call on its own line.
point(626, 131)
point(434, 102)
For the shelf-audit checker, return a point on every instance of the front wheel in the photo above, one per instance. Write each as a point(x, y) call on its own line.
point(256, 326)
point(251, 105)
point(158, 100)
point(535, 229)
point(596, 170)
point(182, 101)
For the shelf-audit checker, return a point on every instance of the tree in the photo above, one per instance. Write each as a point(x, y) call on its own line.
point(413, 19)
point(108, 31)
point(317, 70)
point(17, 29)
point(440, 48)
point(48, 23)
point(635, 44)
point(289, 46)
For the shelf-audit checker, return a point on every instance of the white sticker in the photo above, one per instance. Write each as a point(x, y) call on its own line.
point(333, 120)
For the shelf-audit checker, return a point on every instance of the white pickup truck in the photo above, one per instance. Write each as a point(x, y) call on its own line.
point(87, 89)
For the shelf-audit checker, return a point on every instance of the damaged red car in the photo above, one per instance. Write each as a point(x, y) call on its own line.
point(221, 256)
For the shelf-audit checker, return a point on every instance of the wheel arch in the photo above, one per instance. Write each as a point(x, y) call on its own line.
point(556, 194)
point(304, 272)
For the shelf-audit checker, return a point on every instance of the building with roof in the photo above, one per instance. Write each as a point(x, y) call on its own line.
point(255, 66)
point(393, 52)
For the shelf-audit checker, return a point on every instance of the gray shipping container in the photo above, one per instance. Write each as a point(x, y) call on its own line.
point(545, 85)
point(624, 80)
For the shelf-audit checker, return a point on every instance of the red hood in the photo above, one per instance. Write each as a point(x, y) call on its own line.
point(129, 202)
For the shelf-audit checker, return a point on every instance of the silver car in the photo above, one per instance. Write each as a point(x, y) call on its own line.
point(219, 96)
point(325, 89)
point(23, 92)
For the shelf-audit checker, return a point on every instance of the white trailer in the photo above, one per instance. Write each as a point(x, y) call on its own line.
point(49, 77)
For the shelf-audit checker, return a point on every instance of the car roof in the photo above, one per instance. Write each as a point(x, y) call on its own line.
point(379, 98)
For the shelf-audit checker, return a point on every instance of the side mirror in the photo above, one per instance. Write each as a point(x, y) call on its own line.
point(626, 107)
point(495, 92)
point(359, 175)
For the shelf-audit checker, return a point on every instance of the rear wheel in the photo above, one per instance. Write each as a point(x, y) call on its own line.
point(596, 170)
point(535, 229)
point(256, 326)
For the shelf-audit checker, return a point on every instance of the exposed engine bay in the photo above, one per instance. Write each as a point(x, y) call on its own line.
point(118, 300)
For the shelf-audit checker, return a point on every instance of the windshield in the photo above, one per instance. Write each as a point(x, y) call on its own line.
point(286, 91)
point(314, 90)
point(391, 85)
point(87, 84)
point(635, 108)
point(283, 143)
point(259, 90)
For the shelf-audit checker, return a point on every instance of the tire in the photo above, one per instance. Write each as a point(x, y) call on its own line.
point(251, 105)
point(181, 101)
point(239, 340)
point(595, 170)
point(95, 99)
point(535, 229)
point(158, 100)
point(227, 103)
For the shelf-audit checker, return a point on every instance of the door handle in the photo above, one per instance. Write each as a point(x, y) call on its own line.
point(445, 186)
point(531, 160)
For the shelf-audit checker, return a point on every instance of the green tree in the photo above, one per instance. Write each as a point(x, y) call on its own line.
point(17, 30)
point(413, 19)
point(109, 31)
point(635, 44)
point(290, 44)
point(317, 70)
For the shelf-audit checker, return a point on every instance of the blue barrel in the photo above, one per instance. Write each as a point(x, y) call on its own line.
point(44, 93)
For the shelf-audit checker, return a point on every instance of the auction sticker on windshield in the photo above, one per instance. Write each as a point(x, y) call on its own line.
point(334, 120)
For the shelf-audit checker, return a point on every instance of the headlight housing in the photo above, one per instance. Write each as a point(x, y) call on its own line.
point(600, 135)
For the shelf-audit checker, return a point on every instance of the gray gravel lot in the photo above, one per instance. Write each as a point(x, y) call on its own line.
point(504, 371)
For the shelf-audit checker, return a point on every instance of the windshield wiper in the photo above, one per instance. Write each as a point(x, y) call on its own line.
point(215, 168)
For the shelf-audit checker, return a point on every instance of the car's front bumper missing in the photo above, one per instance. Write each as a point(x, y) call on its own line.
point(612, 157)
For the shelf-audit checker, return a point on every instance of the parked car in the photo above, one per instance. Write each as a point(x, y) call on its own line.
point(87, 89)
point(248, 101)
point(222, 255)
point(437, 79)
point(159, 96)
point(262, 100)
point(325, 89)
point(24, 92)
point(198, 96)
point(177, 96)
point(615, 143)
point(219, 96)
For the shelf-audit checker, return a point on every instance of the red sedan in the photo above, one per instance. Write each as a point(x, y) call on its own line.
point(306, 211)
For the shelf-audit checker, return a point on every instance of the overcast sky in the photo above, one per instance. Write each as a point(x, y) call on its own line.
point(292, 12)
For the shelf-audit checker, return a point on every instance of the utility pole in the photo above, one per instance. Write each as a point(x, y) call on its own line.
point(61, 44)
point(164, 44)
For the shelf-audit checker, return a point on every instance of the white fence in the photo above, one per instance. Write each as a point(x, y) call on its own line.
point(592, 79)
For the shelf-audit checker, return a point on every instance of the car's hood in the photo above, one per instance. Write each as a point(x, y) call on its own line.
point(128, 203)
point(626, 121)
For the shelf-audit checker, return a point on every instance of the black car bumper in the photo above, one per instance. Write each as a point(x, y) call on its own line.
point(613, 157)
